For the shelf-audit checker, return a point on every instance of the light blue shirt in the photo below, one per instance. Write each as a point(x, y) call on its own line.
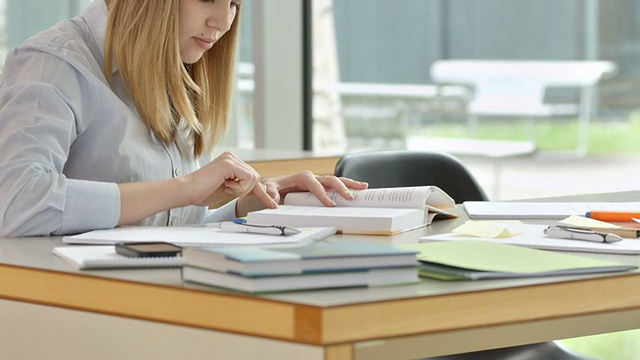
point(67, 138)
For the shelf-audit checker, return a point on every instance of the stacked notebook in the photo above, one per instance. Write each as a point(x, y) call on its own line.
point(300, 267)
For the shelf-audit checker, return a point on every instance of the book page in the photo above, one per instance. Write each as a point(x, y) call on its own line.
point(403, 197)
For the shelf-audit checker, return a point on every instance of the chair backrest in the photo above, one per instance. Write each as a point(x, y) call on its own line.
point(396, 168)
point(517, 87)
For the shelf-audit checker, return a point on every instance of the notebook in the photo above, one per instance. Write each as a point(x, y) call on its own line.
point(193, 236)
point(84, 257)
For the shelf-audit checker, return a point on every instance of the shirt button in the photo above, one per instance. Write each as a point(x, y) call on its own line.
point(177, 172)
point(173, 222)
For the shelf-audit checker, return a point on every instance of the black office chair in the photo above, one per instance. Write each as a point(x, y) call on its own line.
point(395, 168)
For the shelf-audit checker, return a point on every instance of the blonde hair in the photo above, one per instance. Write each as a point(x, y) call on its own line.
point(142, 40)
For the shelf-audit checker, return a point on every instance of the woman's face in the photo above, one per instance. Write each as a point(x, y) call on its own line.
point(202, 23)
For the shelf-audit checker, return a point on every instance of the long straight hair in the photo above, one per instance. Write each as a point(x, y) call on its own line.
point(142, 41)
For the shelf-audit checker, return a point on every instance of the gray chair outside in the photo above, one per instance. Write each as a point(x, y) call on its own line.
point(397, 168)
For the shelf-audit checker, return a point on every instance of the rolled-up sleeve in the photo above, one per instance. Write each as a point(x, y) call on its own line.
point(37, 128)
point(38, 125)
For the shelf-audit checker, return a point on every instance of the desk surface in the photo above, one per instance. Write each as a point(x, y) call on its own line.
point(352, 320)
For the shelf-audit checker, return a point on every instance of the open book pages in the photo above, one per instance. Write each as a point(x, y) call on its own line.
point(419, 197)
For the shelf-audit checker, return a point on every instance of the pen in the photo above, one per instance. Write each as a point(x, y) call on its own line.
point(604, 215)
point(565, 232)
point(240, 225)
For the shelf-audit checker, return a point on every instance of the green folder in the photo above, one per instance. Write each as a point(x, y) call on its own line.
point(474, 260)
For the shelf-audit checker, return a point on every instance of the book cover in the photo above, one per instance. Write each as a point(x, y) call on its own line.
point(357, 278)
point(317, 257)
point(83, 257)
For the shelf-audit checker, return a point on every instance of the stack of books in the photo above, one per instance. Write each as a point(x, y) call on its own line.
point(300, 267)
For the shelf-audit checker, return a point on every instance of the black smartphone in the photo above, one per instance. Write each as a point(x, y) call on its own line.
point(148, 249)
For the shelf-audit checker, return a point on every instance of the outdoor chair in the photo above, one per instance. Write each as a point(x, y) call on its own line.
point(517, 88)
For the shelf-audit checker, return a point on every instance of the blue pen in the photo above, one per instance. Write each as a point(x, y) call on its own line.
point(241, 225)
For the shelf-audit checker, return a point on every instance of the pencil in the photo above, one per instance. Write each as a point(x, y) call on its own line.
point(604, 215)
point(622, 232)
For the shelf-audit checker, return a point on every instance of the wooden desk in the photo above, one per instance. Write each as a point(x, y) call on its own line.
point(50, 310)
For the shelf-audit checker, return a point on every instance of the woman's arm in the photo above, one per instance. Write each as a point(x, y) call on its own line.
point(222, 179)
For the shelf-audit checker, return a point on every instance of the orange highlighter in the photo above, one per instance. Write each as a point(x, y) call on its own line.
point(604, 215)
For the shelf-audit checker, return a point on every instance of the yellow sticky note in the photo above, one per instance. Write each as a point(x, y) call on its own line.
point(483, 229)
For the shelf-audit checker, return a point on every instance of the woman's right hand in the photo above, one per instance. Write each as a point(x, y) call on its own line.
point(224, 178)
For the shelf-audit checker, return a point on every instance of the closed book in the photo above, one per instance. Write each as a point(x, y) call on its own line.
point(383, 211)
point(323, 280)
point(317, 257)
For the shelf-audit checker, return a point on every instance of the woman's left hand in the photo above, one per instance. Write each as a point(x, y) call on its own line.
point(279, 187)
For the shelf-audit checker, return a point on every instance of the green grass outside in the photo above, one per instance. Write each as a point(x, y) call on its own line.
point(606, 137)
point(623, 345)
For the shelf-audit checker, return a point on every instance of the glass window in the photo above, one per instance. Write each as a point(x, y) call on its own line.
point(385, 52)
point(19, 19)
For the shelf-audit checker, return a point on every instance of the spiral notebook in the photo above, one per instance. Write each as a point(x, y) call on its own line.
point(84, 257)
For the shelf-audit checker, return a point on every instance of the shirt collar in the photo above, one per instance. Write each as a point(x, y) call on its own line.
point(96, 17)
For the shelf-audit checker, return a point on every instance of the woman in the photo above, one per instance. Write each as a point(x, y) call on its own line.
point(87, 143)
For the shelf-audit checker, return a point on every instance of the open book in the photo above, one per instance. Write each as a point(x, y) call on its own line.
point(383, 211)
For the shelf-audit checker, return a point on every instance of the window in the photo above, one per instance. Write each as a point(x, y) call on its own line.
point(385, 49)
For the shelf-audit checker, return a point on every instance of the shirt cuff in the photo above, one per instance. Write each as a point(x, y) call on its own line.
point(90, 205)
point(223, 213)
